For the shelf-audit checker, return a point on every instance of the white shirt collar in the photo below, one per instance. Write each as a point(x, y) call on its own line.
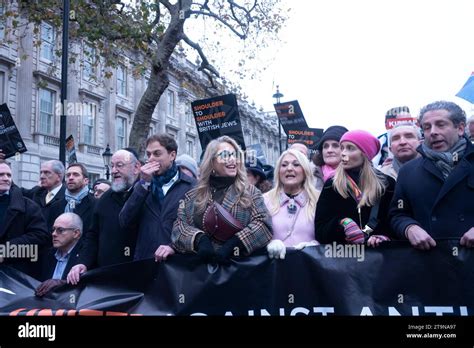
point(55, 190)
point(170, 183)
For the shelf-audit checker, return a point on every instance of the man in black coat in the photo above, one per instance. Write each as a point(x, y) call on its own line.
point(106, 243)
point(434, 193)
point(22, 226)
point(50, 190)
point(65, 253)
point(153, 204)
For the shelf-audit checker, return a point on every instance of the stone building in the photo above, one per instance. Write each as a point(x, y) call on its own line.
point(100, 110)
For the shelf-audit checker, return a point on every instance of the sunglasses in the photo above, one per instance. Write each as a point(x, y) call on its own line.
point(61, 230)
point(226, 155)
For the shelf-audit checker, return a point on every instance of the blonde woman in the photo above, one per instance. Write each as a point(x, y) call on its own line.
point(353, 206)
point(223, 216)
point(292, 204)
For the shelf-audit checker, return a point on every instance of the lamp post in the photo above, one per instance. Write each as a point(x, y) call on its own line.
point(278, 96)
point(64, 57)
point(106, 156)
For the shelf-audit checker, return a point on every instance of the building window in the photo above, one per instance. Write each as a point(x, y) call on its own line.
point(122, 80)
point(170, 104)
point(2, 87)
point(172, 132)
point(3, 22)
point(88, 123)
point(46, 116)
point(121, 132)
point(190, 148)
point(89, 70)
point(152, 129)
point(189, 117)
point(48, 37)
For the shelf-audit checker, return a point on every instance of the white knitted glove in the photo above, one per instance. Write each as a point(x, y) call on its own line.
point(276, 249)
point(302, 245)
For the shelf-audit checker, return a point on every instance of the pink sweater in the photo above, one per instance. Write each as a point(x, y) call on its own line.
point(303, 229)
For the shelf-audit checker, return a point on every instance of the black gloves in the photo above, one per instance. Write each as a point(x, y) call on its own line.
point(48, 285)
point(204, 248)
point(232, 248)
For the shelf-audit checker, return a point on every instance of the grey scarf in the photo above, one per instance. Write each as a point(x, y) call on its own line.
point(396, 165)
point(73, 200)
point(445, 161)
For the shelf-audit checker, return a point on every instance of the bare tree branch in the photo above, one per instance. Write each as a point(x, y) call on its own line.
point(166, 4)
point(213, 15)
point(234, 15)
point(158, 14)
point(246, 11)
point(210, 77)
point(205, 5)
point(205, 65)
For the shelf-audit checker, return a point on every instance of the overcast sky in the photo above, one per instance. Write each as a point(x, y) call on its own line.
point(348, 61)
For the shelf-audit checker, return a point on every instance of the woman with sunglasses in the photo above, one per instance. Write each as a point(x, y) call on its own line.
point(223, 216)
point(353, 206)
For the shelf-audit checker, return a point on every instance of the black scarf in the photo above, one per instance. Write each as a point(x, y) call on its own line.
point(219, 185)
point(354, 173)
point(160, 180)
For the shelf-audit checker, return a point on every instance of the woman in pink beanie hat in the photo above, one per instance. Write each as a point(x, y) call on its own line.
point(353, 206)
point(366, 142)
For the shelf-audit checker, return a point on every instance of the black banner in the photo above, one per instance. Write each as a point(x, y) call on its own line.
point(327, 280)
point(216, 117)
point(309, 136)
point(11, 141)
point(290, 115)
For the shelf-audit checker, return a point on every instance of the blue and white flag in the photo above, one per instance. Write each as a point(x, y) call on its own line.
point(467, 91)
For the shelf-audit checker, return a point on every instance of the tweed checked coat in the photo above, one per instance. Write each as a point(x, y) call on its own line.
point(256, 219)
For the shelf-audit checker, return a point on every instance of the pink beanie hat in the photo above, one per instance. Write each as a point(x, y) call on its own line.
point(366, 142)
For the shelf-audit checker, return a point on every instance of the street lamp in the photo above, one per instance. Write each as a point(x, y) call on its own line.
point(107, 155)
point(64, 57)
point(278, 96)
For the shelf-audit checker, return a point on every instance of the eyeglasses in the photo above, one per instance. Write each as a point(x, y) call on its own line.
point(61, 230)
point(226, 155)
point(118, 165)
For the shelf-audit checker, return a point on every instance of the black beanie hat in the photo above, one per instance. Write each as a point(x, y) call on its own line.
point(332, 133)
point(256, 168)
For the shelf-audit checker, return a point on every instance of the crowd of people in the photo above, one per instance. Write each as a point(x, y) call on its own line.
point(414, 183)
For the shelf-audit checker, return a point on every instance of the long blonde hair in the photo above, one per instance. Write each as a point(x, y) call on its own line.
point(203, 190)
point(371, 183)
point(308, 185)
